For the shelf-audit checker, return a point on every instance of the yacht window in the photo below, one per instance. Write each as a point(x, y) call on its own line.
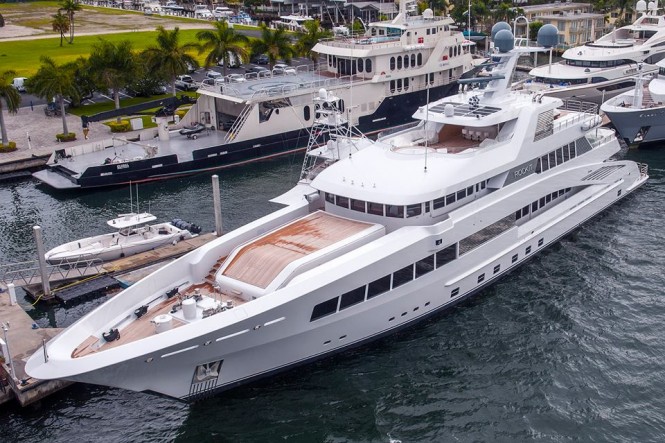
point(352, 298)
point(403, 276)
point(548, 198)
point(406, 61)
point(446, 255)
point(323, 309)
point(545, 163)
point(413, 59)
point(461, 194)
point(394, 211)
point(534, 206)
point(540, 242)
point(497, 268)
point(483, 184)
point(330, 198)
point(358, 205)
point(541, 202)
point(439, 203)
point(481, 278)
point(420, 59)
point(329, 60)
point(392, 63)
point(334, 61)
point(361, 65)
point(306, 113)
point(514, 259)
point(454, 293)
point(399, 84)
point(527, 250)
point(378, 287)
point(469, 190)
point(374, 208)
point(552, 159)
point(572, 150)
point(414, 210)
point(342, 201)
point(428, 31)
point(368, 65)
point(525, 211)
point(406, 84)
point(424, 266)
point(426, 207)
point(559, 156)
point(399, 62)
point(392, 85)
point(450, 199)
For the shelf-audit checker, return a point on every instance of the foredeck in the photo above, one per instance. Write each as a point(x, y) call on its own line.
point(259, 262)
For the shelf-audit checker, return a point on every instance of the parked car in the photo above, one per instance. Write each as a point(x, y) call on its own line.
point(258, 71)
point(213, 74)
point(261, 59)
point(283, 69)
point(19, 83)
point(52, 109)
point(186, 83)
point(235, 78)
point(233, 61)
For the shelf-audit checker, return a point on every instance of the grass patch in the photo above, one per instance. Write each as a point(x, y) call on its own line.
point(23, 55)
point(96, 108)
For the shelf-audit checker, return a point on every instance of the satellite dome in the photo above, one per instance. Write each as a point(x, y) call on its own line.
point(641, 6)
point(428, 13)
point(504, 40)
point(652, 6)
point(323, 94)
point(498, 27)
point(548, 36)
point(449, 110)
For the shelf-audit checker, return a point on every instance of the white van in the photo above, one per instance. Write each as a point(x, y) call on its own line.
point(19, 83)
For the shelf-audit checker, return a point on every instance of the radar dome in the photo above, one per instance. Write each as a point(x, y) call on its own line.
point(641, 6)
point(498, 27)
point(323, 94)
point(504, 40)
point(428, 13)
point(652, 6)
point(548, 36)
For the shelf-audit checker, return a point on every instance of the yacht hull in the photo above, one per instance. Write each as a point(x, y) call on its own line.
point(638, 125)
point(393, 111)
point(276, 339)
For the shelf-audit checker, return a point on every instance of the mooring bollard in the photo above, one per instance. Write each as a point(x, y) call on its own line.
point(217, 201)
point(46, 285)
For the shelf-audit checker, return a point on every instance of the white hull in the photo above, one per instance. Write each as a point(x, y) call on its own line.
point(279, 344)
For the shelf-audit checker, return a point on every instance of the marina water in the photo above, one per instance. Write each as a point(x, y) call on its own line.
point(569, 347)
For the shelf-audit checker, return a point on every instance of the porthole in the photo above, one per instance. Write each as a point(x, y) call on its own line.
point(207, 343)
point(403, 314)
point(342, 337)
point(327, 342)
point(391, 319)
point(148, 360)
point(427, 304)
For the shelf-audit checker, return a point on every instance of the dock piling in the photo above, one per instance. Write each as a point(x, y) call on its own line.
point(12, 294)
point(6, 352)
point(46, 285)
point(217, 204)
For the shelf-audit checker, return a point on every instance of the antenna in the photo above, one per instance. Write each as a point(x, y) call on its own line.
point(131, 205)
point(425, 126)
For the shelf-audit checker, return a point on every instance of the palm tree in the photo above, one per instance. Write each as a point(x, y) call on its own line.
point(112, 66)
point(70, 7)
point(169, 57)
point(275, 43)
point(309, 37)
point(11, 97)
point(222, 43)
point(60, 24)
point(54, 81)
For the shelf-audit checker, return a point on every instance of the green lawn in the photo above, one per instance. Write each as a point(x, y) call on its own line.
point(96, 108)
point(23, 55)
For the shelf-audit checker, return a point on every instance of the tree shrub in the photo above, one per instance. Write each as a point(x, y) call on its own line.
point(9, 147)
point(66, 138)
point(122, 126)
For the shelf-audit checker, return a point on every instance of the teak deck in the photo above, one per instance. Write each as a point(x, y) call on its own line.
point(259, 262)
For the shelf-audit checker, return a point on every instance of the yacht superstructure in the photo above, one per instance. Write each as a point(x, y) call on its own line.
point(375, 237)
point(599, 70)
point(382, 77)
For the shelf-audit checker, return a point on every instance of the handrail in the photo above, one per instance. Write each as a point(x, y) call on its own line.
point(28, 272)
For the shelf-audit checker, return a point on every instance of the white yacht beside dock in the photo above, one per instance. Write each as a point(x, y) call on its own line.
point(375, 237)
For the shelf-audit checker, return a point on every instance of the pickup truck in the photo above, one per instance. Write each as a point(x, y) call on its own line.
point(186, 83)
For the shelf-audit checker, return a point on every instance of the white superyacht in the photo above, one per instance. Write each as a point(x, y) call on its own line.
point(599, 70)
point(375, 237)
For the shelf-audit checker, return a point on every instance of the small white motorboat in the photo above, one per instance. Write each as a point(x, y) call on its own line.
point(133, 236)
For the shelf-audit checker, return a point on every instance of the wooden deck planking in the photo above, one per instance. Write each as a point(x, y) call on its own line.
point(143, 327)
point(259, 262)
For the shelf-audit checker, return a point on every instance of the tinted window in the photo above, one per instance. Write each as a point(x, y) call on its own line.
point(439, 203)
point(352, 297)
point(368, 65)
point(413, 210)
point(392, 63)
point(342, 201)
point(306, 111)
point(375, 208)
point(330, 198)
point(326, 308)
point(394, 211)
point(424, 266)
point(358, 205)
point(450, 199)
point(402, 276)
point(378, 287)
point(446, 255)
